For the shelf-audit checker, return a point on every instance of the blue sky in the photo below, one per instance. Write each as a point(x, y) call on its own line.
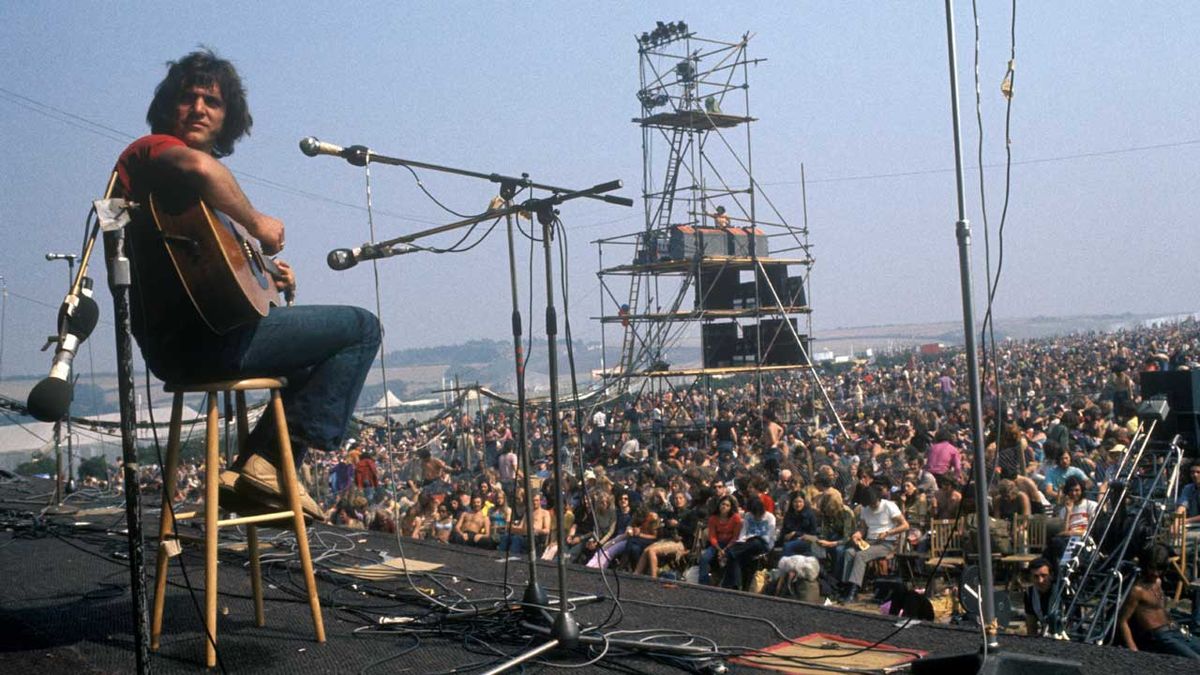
point(1105, 140)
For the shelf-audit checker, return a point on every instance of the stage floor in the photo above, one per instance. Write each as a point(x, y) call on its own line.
point(65, 608)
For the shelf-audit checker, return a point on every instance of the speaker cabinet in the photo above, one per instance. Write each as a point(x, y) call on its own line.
point(719, 342)
point(1182, 389)
point(779, 347)
point(717, 289)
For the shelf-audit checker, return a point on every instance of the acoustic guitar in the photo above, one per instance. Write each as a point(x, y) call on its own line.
point(229, 280)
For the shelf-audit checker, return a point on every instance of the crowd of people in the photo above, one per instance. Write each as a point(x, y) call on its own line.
point(758, 489)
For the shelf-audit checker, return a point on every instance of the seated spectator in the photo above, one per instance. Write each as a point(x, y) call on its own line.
point(836, 526)
point(799, 521)
point(472, 525)
point(724, 527)
point(641, 531)
point(443, 524)
point(499, 517)
point(1057, 475)
point(1077, 512)
point(1010, 501)
point(1145, 610)
point(913, 503)
point(1037, 596)
point(757, 536)
point(881, 523)
point(947, 498)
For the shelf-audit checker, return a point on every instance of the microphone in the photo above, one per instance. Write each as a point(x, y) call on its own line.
point(61, 256)
point(77, 318)
point(355, 154)
point(341, 259)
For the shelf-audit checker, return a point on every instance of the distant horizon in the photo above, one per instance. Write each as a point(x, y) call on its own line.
point(1000, 321)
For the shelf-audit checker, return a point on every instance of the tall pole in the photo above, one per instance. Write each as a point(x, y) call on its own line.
point(565, 629)
point(3, 312)
point(963, 235)
point(120, 281)
point(535, 595)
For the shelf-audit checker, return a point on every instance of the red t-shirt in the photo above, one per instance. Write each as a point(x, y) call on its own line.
point(136, 175)
point(723, 532)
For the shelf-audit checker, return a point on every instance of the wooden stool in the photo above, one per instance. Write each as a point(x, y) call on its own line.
point(211, 521)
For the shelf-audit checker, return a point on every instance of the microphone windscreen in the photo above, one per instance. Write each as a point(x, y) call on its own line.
point(87, 315)
point(309, 146)
point(50, 399)
point(341, 259)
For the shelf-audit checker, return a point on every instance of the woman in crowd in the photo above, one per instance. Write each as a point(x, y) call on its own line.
point(798, 523)
point(914, 503)
point(1010, 501)
point(724, 527)
point(838, 523)
point(1076, 511)
point(499, 517)
point(757, 536)
point(443, 524)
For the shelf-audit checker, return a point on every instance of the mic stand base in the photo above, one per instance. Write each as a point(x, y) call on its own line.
point(534, 599)
point(565, 630)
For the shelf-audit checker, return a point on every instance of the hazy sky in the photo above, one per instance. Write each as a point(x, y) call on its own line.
point(1105, 129)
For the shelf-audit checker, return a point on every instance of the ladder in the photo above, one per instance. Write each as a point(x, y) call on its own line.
point(628, 341)
point(671, 180)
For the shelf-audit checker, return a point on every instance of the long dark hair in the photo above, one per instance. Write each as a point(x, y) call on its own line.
point(202, 68)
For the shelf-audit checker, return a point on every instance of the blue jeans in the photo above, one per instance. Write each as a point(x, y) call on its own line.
point(706, 560)
point(738, 556)
point(324, 351)
point(797, 546)
point(1170, 640)
point(513, 544)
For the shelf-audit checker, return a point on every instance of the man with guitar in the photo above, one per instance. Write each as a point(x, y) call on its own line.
point(199, 111)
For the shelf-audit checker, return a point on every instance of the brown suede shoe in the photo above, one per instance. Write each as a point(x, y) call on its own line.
point(260, 479)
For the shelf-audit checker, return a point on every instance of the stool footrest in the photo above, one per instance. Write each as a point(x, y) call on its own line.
point(260, 518)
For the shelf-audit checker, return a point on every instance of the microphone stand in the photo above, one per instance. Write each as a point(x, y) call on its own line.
point(59, 487)
point(120, 280)
point(359, 155)
point(565, 630)
point(535, 596)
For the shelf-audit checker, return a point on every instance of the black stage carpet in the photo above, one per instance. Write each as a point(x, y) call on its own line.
point(64, 607)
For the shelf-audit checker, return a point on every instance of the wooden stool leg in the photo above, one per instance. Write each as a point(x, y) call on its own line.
point(243, 422)
point(291, 492)
point(243, 432)
point(166, 522)
point(260, 619)
point(212, 467)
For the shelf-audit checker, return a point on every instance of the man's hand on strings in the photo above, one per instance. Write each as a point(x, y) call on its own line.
point(286, 282)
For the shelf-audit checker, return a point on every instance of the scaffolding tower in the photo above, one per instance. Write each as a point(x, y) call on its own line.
point(715, 251)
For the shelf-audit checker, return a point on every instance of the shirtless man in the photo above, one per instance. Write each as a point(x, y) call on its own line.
point(433, 470)
point(772, 433)
point(1147, 607)
point(472, 525)
point(541, 524)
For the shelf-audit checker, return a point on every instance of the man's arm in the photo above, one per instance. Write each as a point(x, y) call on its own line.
point(217, 186)
point(1127, 609)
